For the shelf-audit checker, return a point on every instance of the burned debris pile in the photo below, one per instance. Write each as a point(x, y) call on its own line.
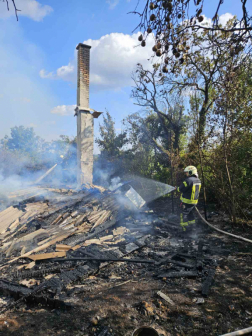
point(54, 241)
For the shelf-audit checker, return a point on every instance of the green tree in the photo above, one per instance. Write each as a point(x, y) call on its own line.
point(110, 143)
point(226, 152)
point(21, 151)
point(143, 132)
point(23, 141)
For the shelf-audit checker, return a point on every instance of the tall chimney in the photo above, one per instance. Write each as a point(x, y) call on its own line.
point(85, 121)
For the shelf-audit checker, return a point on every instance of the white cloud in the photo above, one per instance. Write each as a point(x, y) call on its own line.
point(112, 3)
point(49, 75)
point(224, 18)
point(29, 8)
point(64, 110)
point(66, 72)
point(113, 59)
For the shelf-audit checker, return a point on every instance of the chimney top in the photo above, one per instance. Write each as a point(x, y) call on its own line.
point(83, 45)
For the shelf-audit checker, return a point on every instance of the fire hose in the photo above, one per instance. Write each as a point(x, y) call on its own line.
point(239, 332)
point(221, 231)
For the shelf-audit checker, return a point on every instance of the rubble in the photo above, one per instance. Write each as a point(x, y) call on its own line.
point(68, 231)
point(56, 256)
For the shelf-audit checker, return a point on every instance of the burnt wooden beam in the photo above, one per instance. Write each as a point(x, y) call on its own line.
point(41, 272)
point(18, 291)
point(13, 289)
point(208, 282)
point(185, 255)
point(143, 261)
point(175, 262)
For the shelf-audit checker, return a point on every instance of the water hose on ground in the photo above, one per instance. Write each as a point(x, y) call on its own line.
point(239, 332)
point(221, 231)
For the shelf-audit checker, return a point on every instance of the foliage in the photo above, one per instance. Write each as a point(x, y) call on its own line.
point(229, 143)
point(225, 155)
point(23, 140)
point(171, 22)
point(24, 153)
point(216, 77)
point(109, 142)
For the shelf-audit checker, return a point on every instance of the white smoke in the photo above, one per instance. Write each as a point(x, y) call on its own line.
point(115, 183)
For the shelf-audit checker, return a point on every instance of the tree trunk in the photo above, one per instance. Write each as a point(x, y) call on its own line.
point(202, 116)
point(201, 163)
point(233, 210)
point(176, 138)
point(171, 172)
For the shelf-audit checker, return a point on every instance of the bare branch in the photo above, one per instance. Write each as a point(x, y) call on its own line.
point(15, 7)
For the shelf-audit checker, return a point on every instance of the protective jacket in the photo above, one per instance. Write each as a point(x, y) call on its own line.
point(190, 189)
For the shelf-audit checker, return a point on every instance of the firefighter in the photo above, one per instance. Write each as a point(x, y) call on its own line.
point(189, 189)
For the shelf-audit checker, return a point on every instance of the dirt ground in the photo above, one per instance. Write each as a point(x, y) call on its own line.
point(122, 297)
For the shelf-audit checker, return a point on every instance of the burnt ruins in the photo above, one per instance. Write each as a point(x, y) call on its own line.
point(55, 243)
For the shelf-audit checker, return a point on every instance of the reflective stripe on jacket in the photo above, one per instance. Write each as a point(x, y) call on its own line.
point(190, 189)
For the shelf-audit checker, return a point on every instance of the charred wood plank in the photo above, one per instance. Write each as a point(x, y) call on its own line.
point(175, 262)
point(39, 273)
point(185, 255)
point(78, 273)
point(208, 282)
point(53, 283)
point(18, 291)
point(13, 289)
point(186, 274)
point(143, 261)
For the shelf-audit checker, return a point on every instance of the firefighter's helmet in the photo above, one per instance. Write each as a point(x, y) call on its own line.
point(191, 170)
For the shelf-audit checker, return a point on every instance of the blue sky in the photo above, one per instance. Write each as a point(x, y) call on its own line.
point(38, 60)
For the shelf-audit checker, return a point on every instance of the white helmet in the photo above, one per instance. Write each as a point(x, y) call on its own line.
point(191, 170)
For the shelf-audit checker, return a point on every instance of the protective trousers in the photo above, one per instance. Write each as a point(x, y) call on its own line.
point(187, 216)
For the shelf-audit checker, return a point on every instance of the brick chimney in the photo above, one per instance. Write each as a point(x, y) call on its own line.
point(85, 121)
point(83, 75)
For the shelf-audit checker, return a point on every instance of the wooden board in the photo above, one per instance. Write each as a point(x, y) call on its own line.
point(28, 238)
point(8, 218)
point(30, 265)
point(43, 247)
point(44, 256)
point(62, 247)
